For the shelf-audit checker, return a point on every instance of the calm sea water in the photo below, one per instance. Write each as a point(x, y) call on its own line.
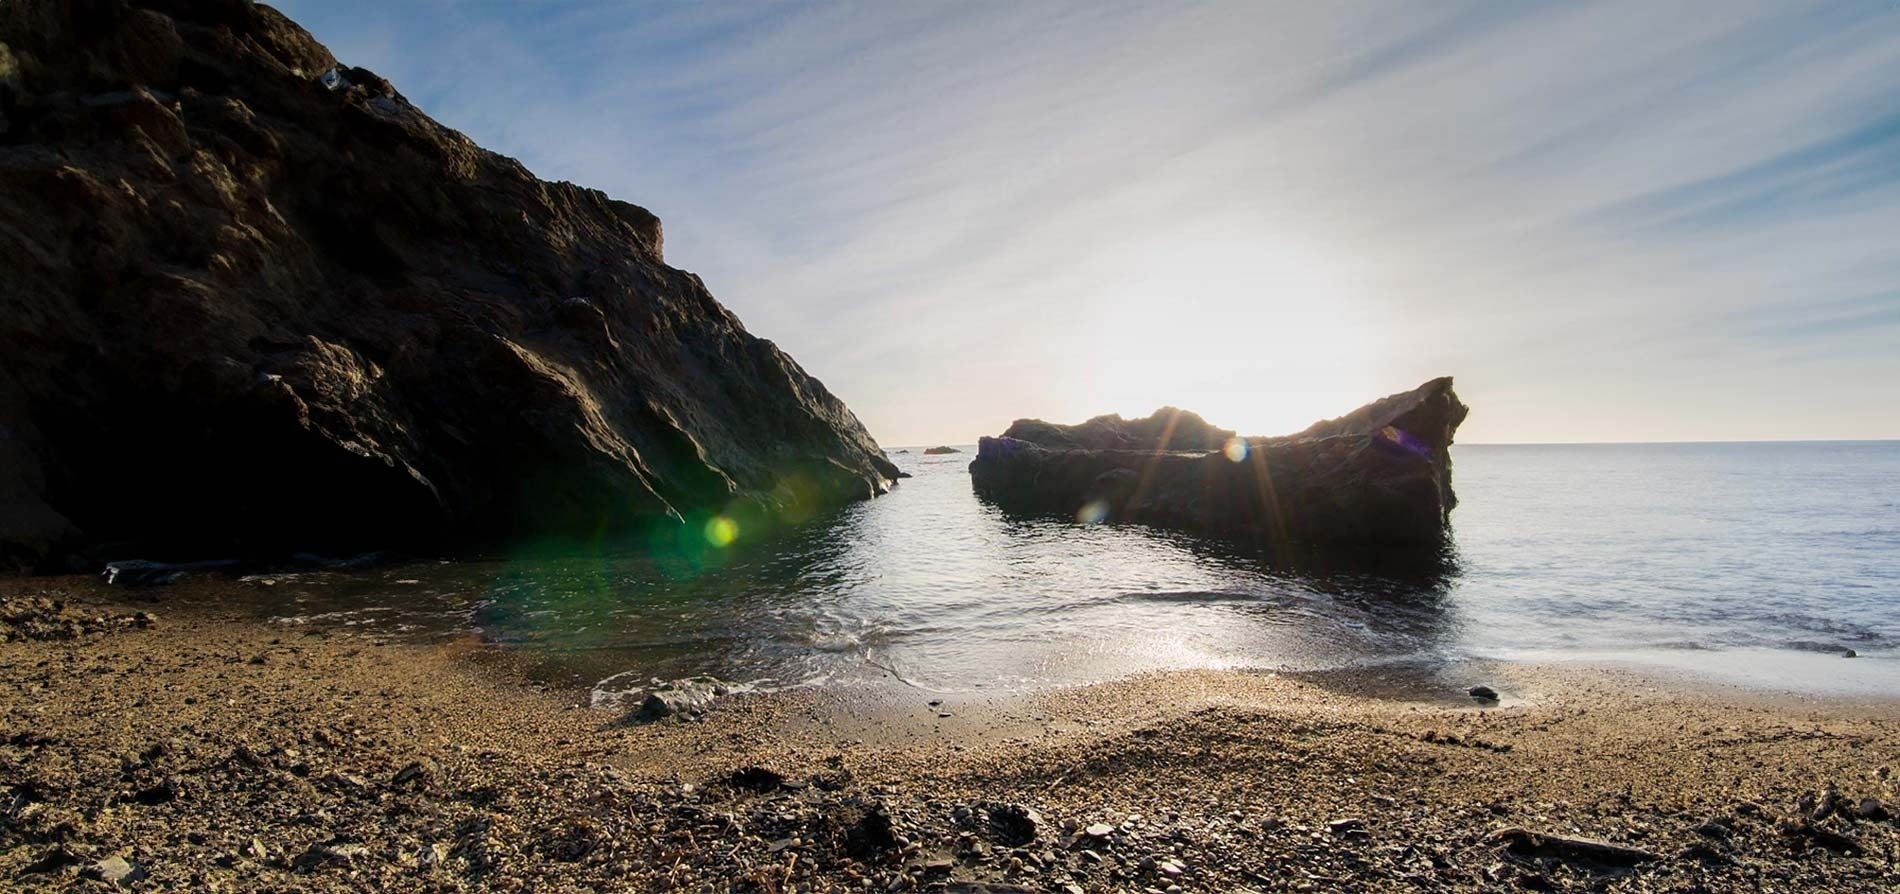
point(1757, 562)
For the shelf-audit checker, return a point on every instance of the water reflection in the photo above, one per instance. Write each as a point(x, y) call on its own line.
point(935, 588)
point(927, 586)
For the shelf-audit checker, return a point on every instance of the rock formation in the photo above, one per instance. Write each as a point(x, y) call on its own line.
point(253, 299)
point(1380, 475)
point(940, 451)
point(1167, 429)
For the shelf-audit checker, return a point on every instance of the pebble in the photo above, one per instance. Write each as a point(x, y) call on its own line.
point(756, 779)
point(116, 870)
point(332, 854)
point(415, 771)
point(1015, 824)
point(1713, 827)
point(1099, 830)
point(433, 856)
point(1483, 693)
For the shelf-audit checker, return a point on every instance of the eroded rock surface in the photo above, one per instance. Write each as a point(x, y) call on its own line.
point(254, 298)
point(1380, 475)
point(1168, 428)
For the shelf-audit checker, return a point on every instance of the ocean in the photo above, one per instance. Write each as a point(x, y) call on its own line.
point(1763, 564)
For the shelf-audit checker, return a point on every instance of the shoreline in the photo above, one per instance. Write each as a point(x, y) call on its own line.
point(210, 752)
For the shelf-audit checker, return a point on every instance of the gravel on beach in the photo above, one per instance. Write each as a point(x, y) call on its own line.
point(187, 751)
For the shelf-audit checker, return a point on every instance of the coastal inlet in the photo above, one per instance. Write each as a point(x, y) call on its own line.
point(1721, 559)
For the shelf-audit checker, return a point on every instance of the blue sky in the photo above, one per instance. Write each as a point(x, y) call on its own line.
point(1611, 221)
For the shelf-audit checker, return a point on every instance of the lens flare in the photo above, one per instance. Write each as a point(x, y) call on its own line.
point(1094, 512)
point(1235, 449)
point(1401, 438)
point(721, 531)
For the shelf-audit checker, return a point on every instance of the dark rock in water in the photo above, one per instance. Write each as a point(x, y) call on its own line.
point(1380, 475)
point(940, 451)
point(1483, 693)
point(1822, 646)
point(253, 300)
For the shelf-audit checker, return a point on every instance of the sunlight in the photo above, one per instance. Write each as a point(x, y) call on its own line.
point(1235, 449)
point(1253, 333)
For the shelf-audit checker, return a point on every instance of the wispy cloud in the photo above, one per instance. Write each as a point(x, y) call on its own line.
point(1615, 220)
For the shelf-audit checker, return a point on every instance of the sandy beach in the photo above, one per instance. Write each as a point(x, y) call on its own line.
point(190, 751)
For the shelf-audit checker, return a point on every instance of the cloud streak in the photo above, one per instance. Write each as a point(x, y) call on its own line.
point(1612, 221)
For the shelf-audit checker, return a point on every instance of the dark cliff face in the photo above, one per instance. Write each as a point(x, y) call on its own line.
point(252, 300)
point(1379, 476)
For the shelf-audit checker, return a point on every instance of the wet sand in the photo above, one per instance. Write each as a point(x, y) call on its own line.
point(194, 751)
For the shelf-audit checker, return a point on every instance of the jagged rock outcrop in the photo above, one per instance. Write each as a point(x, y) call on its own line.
point(252, 299)
point(1168, 428)
point(1380, 475)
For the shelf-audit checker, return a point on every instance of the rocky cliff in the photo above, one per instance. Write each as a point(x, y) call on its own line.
point(255, 299)
point(1379, 476)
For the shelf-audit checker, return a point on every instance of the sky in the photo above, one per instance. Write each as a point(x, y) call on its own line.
point(1609, 221)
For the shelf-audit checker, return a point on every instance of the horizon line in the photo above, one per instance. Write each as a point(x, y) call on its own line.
point(1712, 441)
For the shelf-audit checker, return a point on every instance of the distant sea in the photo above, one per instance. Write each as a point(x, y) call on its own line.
point(1758, 563)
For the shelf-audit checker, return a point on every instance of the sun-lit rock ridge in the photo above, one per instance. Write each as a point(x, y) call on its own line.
point(1168, 428)
point(253, 299)
point(1380, 475)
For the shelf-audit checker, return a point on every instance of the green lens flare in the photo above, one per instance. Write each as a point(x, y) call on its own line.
point(721, 531)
